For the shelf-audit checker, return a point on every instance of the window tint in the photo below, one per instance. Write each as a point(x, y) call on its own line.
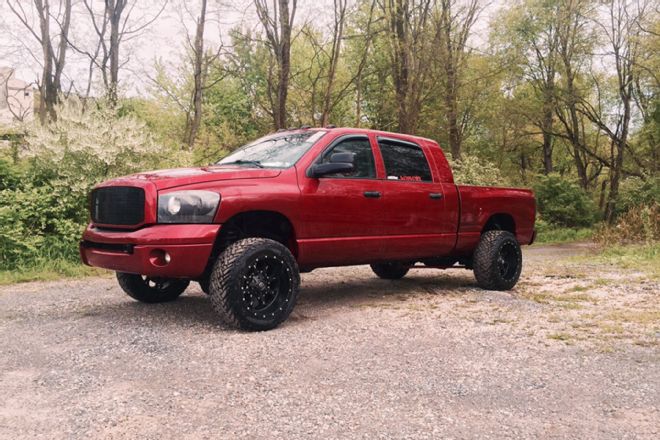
point(404, 162)
point(362, 155)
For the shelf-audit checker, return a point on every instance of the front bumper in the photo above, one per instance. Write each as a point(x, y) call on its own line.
point(141, 251)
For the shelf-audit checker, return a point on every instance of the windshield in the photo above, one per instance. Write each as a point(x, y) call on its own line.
point(274, 151)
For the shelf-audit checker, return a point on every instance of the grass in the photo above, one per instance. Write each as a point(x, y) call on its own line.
point(641, 257)
point(554, 234)
point(49, 270)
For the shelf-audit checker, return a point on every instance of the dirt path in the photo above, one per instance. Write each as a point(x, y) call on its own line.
point(572, 352)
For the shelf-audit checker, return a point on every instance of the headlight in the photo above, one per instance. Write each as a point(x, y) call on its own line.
point(188, 207)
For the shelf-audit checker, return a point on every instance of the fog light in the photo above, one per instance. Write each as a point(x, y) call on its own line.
point(159, 257)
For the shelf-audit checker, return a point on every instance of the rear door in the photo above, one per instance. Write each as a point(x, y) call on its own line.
point(415, 220)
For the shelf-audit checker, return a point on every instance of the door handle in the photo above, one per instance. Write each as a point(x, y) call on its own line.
point(372, 194)
point(435, 195)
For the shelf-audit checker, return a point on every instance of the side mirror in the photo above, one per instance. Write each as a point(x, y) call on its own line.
point(339, 163)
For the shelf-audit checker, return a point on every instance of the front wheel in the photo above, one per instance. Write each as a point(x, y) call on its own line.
point(151, 289)
point(497, 261)
point(254, 284)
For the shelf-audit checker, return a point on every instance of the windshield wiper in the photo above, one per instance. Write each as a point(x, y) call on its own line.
point(256, 163)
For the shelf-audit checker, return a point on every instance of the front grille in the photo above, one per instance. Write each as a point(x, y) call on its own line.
point(118, 205)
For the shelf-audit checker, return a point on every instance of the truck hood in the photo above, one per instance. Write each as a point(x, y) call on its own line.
point(164, 179)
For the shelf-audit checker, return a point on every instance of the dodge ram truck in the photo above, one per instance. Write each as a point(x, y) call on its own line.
point(245, 227)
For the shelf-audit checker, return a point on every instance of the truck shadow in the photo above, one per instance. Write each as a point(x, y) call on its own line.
point(194, 307)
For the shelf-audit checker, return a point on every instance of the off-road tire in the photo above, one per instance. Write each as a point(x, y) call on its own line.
point(390, 271)
point(151, 289)
point(239, 285)
point(497, 261)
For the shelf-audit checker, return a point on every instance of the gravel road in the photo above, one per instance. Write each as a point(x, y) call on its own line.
point(572, 352)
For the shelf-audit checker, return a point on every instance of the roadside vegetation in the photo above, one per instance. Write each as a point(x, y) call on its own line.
point(550, 102)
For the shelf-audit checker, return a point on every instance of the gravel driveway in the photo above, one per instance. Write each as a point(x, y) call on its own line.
point(572, 352)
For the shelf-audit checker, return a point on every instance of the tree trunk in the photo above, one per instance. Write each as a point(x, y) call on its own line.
point(338, 32)
point(198, 78)
point(278, 33)
point(285, 64)
point(114, 9)
point(548, 122)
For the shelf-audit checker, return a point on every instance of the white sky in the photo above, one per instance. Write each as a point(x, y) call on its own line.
point(164, 39)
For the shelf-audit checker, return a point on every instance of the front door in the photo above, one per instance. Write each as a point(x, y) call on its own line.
point(341, 212)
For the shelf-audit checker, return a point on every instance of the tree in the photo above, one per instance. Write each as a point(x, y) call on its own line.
point(113, 24)
point(453, 30)
point(408, 27)
point(199, 77)
point(575, 42)
point(335, 52)
point(53, 48)
point(277, 23)
point(622, 30)
point(531, 27)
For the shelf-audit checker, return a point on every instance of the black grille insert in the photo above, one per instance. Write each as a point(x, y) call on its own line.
point(118, 205)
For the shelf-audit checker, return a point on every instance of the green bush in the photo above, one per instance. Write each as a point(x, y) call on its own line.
point(470, 170)
point(9, 176)
point(635, 192)
point(44, 207)
point(563, 203)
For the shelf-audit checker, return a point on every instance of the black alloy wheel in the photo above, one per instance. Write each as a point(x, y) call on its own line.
point(254, 284)
point(497, 260)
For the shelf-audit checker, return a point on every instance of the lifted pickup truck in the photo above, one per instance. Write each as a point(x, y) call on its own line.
point(293, 201)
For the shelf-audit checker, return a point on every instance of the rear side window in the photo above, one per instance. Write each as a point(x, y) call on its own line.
point(404, 161)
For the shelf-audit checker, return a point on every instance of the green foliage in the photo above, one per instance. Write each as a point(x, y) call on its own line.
point(635, 192)
point(44, 203)
point(9, 176)
point(562, 202)
point(471, 170)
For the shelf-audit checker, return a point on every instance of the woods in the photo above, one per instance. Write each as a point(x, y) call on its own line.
point(558, 95)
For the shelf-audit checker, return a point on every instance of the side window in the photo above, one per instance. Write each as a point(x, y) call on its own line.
point(362, 155)
point(404, 162)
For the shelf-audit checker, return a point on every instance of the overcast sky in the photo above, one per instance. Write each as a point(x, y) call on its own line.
point(163, 39)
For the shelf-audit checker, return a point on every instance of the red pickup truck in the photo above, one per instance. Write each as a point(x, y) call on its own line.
point(296, 200)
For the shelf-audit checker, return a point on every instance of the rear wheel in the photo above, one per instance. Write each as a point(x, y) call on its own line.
point(390, 271)
point(497, 261)
point(254, 284)
point(151, 289)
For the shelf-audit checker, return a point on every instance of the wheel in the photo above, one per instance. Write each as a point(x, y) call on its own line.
point(254, 284)
point(151, 289)
point(390, 271)
point(497, 261)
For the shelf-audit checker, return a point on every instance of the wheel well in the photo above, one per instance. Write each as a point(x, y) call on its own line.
point(500, 222)
point(264, 224)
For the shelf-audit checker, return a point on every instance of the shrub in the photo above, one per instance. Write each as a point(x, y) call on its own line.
point(44, 209)
point(563, 203)
point(9, 176)
point(470, 170)
point(635, 192)
point(640, 224)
